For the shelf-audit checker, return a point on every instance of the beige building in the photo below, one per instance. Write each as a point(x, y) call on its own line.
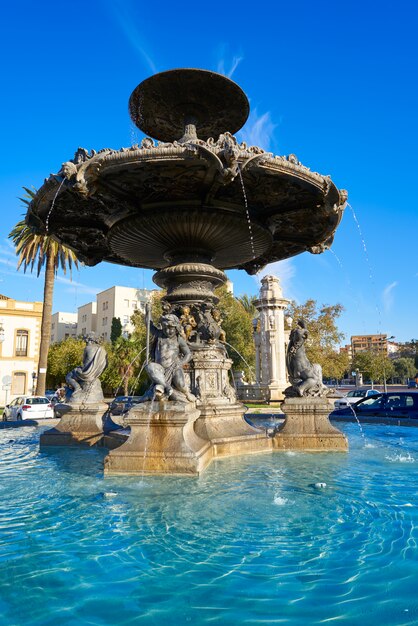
point(63, 326)
point(369, 343)
point(20, 331)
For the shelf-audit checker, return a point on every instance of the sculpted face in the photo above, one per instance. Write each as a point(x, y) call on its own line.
point(168, 329)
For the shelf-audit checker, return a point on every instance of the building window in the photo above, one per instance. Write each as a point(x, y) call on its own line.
point(134, 304)
point(52, 326)
point(126, 303)
point(126, 319)
point(22, 343)
point(83, 331)
point(18, 383)
point(104, 321)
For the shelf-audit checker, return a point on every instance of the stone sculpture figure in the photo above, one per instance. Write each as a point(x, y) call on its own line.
point(305, 377)
point(188, 322)
point(169, 354)
point(216, 314)
point(208, 328)
point(84, 380)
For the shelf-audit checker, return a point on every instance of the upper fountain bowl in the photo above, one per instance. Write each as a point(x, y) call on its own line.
point(196, 194)
point(162, 105)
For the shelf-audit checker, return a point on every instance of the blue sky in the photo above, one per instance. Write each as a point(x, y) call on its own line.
point(334, 83)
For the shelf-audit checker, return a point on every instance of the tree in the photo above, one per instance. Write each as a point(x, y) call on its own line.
point(116, 329)
point(248, 302)
point(43, 252)
point(324, 336)
point(404, 368)
point(63, 357)
point(374, 366)
point(409, 349)
point(125, 358)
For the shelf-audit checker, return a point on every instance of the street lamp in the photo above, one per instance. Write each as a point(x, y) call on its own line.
point(385, 387)
point(33, 382)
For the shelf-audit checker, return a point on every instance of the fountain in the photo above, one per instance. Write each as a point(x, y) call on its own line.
point(189, 206)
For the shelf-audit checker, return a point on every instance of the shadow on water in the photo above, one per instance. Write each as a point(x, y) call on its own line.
point(75, 460)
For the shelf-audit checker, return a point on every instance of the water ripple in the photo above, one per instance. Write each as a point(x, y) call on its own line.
point(252, 541)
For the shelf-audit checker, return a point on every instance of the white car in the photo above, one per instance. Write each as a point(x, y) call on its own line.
point(354, 396)
point(28, 408)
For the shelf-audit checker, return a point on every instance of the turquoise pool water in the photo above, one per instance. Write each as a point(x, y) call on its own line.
point(252, 541)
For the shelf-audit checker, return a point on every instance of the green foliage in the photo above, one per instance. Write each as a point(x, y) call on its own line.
point(324, 336)
point(125, 358)
point(63, 357)
point(404, 368)
point(34, 249)
point(43, 252)
point(116, 329)
point(248, 304)
point(374, 366)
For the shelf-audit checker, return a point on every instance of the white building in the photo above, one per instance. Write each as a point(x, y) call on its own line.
point(63, 326)
point(119, 302)
point(87, 319)
point(20, 332)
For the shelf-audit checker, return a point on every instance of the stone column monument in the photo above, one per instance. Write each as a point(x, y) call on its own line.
point(270, 340)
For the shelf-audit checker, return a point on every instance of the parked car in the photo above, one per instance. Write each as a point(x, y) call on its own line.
point(49, 393)
point(400, 406)
point(28, 408)
point(412, 384)
point(354, 396)
point(122, 404)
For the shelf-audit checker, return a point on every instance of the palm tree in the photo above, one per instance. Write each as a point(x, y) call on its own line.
point(248, 304)
point(41, 251)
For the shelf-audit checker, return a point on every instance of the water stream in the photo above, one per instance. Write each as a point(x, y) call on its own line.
point(126, 374)
point(240, 355)
point(53, 204)
point(358, 423)
point(147, 434)
point(247, 212)
point(369, 266)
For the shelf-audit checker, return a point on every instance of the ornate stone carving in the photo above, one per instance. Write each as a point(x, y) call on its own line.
point(169, 354)
point(84, 381)
point(306, 377)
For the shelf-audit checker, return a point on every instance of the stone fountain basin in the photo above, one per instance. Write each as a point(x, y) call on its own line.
point(140, 206)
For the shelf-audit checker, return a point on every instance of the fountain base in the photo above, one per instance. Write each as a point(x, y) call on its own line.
point(162, 441)
point(307, 427)
point(80, 424)
point(227, 431)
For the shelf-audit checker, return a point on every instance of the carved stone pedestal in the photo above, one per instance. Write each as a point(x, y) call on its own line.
point(221, 420)
point(162, 441)
point(307, 427)
point(80, 424)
